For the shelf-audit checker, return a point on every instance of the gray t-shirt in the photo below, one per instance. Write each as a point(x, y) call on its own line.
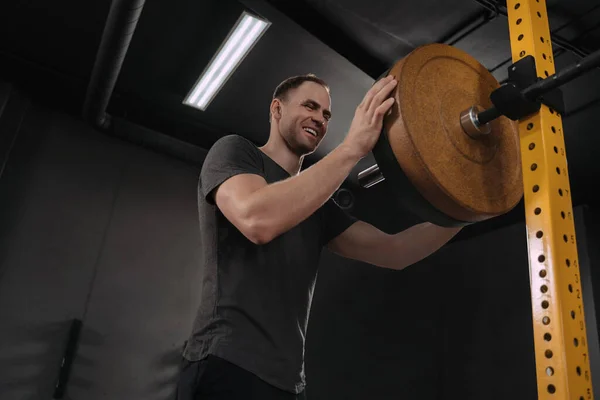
point(256, 299)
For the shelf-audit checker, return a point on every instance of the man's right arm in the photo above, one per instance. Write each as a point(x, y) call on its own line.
point(264, 211)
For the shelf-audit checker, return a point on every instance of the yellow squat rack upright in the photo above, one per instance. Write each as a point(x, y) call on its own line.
point(560, 338)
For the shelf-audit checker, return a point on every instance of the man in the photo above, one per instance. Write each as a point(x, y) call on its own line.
point(263, 224)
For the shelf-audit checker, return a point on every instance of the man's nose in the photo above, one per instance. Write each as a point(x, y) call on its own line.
point(319, 121)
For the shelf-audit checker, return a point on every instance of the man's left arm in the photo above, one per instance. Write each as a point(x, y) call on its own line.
point(364, 242)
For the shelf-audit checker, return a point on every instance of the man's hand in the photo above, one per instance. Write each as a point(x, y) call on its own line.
point(368, 118)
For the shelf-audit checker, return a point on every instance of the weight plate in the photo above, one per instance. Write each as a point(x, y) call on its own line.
point(455, 178)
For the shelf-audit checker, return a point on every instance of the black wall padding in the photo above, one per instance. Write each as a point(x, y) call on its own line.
point(13, 106)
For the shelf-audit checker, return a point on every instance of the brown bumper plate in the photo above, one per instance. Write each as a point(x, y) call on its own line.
point(434, 169)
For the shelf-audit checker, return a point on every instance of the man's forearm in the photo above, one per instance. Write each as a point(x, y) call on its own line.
point(278, 207)
point(412, 245)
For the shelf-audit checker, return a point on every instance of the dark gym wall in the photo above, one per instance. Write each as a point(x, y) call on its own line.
point(99, 229)
point(457, 325)
point(444, 328)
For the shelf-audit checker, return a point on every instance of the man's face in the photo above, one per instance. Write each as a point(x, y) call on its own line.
point(304, 117)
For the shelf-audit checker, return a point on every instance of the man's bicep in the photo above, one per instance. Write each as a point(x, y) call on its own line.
point(232, 195)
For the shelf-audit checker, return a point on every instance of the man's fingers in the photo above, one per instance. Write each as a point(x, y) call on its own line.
point(381, 84)
point(376, 88)
point(383, 94)
point(382, 110)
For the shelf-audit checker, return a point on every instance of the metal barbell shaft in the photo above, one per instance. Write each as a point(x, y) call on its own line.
point(547, 84)
point(370, 176)
point(563, 76)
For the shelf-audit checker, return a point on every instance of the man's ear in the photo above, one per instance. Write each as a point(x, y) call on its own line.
point(276, 108)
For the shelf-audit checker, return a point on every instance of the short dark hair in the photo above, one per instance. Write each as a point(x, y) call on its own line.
point(295, 81)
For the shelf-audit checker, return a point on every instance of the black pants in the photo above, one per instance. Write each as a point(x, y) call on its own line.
point(216, 379)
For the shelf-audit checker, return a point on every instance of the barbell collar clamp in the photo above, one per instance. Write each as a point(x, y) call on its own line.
point(471, 125)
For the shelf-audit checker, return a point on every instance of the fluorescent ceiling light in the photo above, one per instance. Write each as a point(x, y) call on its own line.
point(241, 39)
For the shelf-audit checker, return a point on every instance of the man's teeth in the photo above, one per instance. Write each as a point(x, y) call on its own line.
point(311, 131)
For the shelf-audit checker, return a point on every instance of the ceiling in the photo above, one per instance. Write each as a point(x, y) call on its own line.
point(49, 49)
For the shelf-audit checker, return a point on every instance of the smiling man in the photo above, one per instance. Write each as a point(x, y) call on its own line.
point(263, 224)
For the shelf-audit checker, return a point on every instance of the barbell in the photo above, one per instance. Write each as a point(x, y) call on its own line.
point(448, 156)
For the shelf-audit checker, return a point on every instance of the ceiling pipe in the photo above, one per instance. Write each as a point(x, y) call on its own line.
point(555, 39)
point(469, 27)
point(120, 25)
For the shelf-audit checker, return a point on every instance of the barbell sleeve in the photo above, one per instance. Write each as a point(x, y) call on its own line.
point(370, 177)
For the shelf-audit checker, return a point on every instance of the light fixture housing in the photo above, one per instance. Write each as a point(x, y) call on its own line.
point(244, 35)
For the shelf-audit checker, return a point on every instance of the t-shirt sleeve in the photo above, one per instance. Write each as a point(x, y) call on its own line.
point(335, 221)
point(229, 156)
